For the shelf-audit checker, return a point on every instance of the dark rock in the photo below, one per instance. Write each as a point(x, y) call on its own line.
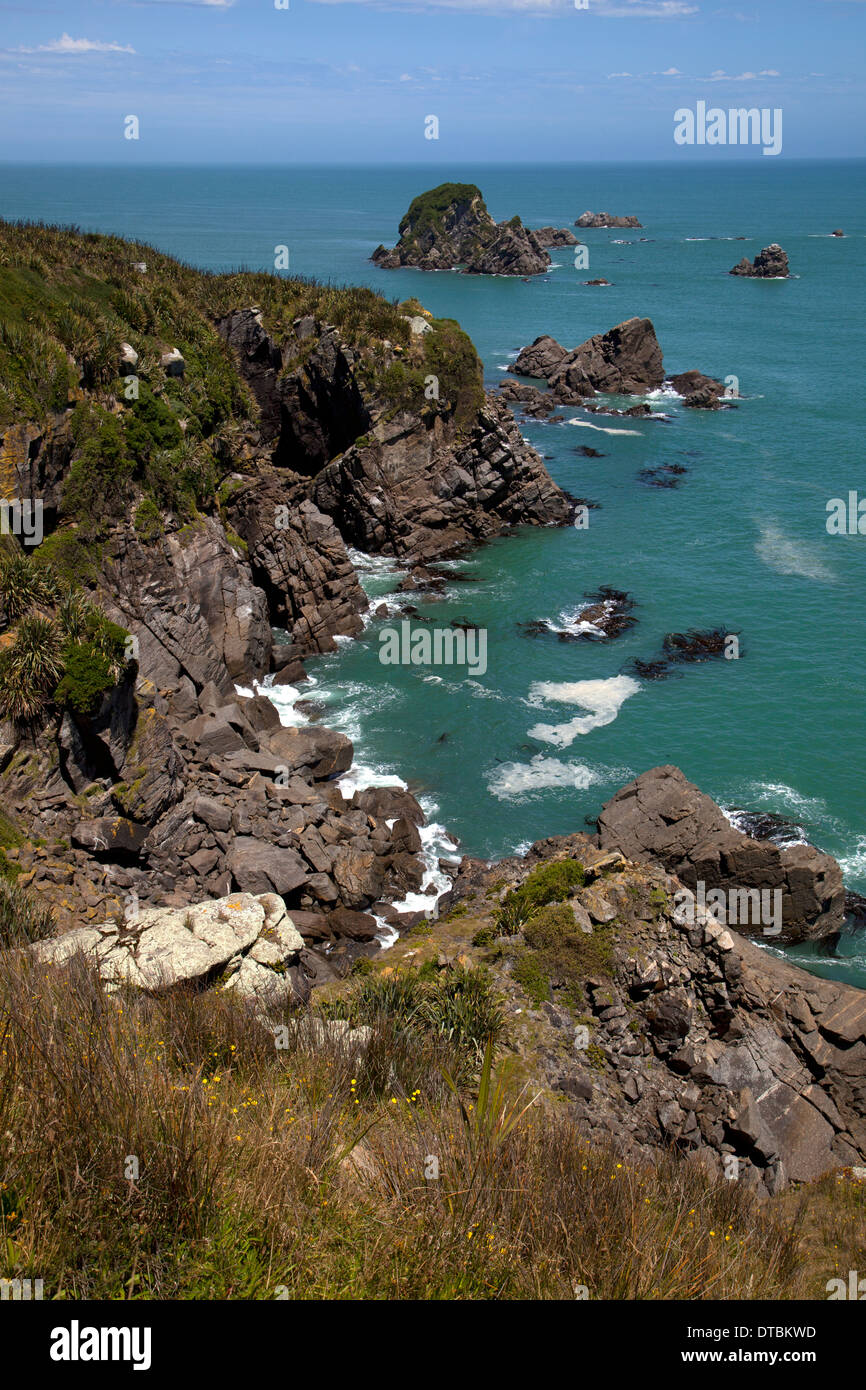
point(556, 236)
point(662, 816)
point(604, 219)
point(770, 263)
point(541, 358)
point(258, 867)
point(449, 228)
point(359, 926)
point(300, 559)
point(321, 752)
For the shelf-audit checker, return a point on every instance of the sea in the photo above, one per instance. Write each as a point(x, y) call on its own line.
point(706, 519)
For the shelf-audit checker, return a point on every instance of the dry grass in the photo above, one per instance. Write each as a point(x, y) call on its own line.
point(302, 1170)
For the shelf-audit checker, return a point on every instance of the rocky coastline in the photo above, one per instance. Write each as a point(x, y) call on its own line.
point(183, 836)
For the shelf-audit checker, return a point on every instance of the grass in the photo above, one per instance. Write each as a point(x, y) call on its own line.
point(165, 1148)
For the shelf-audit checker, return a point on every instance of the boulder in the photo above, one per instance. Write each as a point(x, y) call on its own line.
point(541, 358)
point(259, 867)
point(164, 947)
point(662, 816)
point(314, 749)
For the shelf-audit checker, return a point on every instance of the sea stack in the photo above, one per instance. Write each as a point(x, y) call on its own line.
point(769, 264)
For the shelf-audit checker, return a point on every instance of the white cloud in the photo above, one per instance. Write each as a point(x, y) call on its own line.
point(721, 76)
point(611, 9)
point(671, 72)
point(66, 44)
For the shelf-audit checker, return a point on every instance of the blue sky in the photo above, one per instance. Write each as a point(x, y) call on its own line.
point(349, 81)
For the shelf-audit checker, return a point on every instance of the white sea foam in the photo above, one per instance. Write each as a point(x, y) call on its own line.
point(517, 781)
point(603, 700)
point(570, 620)
point(786, 556)
point(361, 775)
point(602, 429)
point(281, 696)
point(853, 864)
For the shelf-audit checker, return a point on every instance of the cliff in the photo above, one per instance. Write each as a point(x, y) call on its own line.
point(204, 449)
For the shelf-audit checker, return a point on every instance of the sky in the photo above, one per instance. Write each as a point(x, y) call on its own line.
point(354, 81)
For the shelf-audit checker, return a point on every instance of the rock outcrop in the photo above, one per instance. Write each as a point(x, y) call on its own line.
point(449, 228)
point(661, 816)
point(248, 943)
point(660, 1028)
point(699, 392)
point(555, 236)
point(421, 493)
point(299, 557)
point(604, 219)
point(770, 264)
point(626, 360)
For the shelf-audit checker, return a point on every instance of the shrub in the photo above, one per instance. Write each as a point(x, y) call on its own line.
point(88, 676)
point(24, 585)
point(562, 953)
point(549, 883)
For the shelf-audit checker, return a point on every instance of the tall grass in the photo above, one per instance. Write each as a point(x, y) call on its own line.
point(166, 1147)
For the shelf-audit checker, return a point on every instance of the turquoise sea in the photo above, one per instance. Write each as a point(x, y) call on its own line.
point(547, 734)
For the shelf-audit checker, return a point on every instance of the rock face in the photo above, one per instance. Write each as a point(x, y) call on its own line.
point(701, 1041)
point(541, 358)
point(604, 219)
point(449, 228)
point(421, 493)
point(299, 558)
point(515, 250)
point(627, 360)
point(662, 816)
point(555, 236)
point(769, 264)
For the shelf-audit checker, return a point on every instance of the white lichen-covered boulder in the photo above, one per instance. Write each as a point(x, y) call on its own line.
point(248, 942)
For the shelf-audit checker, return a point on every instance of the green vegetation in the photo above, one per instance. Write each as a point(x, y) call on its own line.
point(304, 1171)
point(22, 917)
point(458, 1007)
point(427, 211)
point(63, 650)
point(549, 883)
point(160, 445)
